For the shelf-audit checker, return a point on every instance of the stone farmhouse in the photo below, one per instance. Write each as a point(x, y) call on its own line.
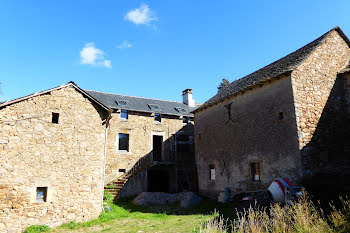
point(287, 119)
point(59, 148)
point(62, 147)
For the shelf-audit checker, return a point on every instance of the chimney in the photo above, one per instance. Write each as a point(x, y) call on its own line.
point(187, 97)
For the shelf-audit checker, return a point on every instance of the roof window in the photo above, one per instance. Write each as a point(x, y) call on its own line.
point(153, 106)
point(179, 109)
point(122, 103)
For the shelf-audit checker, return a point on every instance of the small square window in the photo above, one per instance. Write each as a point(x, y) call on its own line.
point(124, 114)
point(157, 117)
point(123, 142)
point(41, 194)
point(255, 171)
point(121, 170)
point(55, 117)
point(211, 172)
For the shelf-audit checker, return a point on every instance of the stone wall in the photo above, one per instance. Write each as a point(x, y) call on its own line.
point(319, 96)
point(67, 158)
point(140, 127)
point(255, 133)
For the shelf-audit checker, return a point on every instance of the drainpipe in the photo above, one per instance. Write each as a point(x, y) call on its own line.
point(105, 155)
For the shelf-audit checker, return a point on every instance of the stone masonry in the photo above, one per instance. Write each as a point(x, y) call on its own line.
point(140, 127)
point(67, 158)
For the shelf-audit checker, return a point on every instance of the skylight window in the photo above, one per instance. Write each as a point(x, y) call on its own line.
point(153, 106)
point(181, 110)
point(122, 103)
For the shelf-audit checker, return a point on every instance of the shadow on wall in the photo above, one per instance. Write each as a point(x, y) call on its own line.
point(169, 167)
point(326, 158)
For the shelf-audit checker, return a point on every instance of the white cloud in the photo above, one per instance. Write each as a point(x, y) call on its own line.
point(91, 55)
point(124, 45)
point(141, 15)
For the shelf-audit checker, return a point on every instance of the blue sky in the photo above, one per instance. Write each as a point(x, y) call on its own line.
point(152, 48)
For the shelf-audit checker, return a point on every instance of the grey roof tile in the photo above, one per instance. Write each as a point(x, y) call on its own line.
point(279, 67)
point(141, 104)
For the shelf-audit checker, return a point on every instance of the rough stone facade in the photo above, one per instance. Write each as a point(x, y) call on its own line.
point(312, 139)
point(141, 127)
point(67, 158)
point(318, 96)
point(253, 134)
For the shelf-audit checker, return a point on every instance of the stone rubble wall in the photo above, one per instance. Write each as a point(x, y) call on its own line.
point(66, 157)
point(254, 134)
point(318, 95)
point(140, 127)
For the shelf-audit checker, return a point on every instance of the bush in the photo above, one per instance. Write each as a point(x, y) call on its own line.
point(37, 229)
point(301, 216)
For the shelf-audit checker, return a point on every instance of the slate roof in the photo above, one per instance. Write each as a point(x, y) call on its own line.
point(69, 84)
point(141, 104)
point(282, 66)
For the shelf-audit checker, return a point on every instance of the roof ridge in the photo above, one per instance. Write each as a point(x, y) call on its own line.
point(323, 36)
point(135, 96)
point(292, 61)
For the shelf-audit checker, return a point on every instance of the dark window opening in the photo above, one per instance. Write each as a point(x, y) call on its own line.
point(41, 194)
point(281, 116)
point(184, 143)
point(123, 142)
point(157, 147)
point(211, 172)
point(157, 117)
point(255, 172)
point(55, 117)
point(124, 114)
point(122, 170)
point(185, 120)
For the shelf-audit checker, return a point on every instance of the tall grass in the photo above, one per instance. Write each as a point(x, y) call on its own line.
point(301, 216)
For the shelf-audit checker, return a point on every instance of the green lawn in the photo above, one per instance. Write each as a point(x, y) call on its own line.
point(126, 217)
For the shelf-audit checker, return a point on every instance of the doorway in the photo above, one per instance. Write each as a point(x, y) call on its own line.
point(157, 147)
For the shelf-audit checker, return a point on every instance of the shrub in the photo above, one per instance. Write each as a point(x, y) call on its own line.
point(301, 216)
point(37, 229)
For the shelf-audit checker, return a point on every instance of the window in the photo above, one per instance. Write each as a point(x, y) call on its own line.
point(121, 170)
point(153, 106)
point(211, 172)
point(254, 168)
point(280, 116)
point(41, 194)
point(157, 117)
point(124, 114)
point(122, 103)
point(123, 142)
point(185, 119)
point(181, 110)
point(55, 117)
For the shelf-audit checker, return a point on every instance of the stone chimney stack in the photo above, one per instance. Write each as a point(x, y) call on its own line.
point(187, 97)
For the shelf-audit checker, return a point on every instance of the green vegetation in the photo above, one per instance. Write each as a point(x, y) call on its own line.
point(37, 229)
point(127, 217)
point(302, 216)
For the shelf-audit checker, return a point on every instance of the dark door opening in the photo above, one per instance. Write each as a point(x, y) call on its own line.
point(158, 181)
point(157, 147)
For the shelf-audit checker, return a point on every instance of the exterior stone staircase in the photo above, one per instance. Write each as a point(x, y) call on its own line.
point(116, 186)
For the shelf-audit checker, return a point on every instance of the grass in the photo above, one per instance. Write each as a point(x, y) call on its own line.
point(37, 229)
point(301, 216)
point(127, 217)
